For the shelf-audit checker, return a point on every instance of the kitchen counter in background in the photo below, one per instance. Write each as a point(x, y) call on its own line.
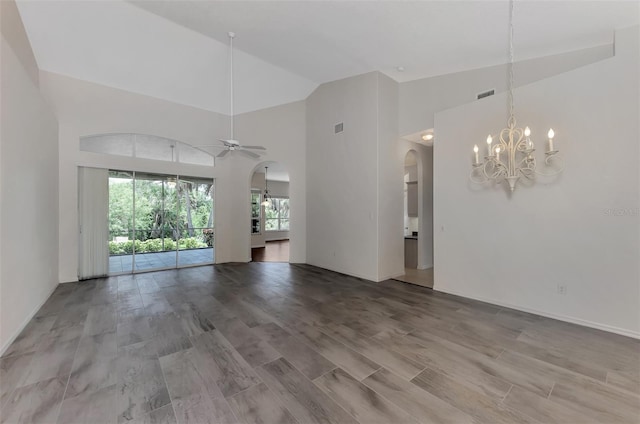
point(411, 252)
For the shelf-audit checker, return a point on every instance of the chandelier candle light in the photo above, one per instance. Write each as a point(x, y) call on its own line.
point(515, 144)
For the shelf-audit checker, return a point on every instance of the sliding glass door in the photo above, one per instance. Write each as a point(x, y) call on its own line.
point(155, 222)
point(195, 199)
point(159, 221)
point(120, 222)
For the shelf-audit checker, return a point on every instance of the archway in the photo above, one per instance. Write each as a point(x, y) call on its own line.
point(418, 212)
point(270, 213)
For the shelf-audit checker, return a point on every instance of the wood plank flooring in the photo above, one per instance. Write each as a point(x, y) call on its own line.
point(280, 343)
point(273, 251)
point(421, 277)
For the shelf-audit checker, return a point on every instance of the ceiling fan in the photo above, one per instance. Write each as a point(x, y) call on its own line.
point(230, 144)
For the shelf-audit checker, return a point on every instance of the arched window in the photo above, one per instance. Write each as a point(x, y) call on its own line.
point(146, 147)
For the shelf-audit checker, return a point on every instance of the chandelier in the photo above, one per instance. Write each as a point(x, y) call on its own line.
point(267, 197)
point(512, 155)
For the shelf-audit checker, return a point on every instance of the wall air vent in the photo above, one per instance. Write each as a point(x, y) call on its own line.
point(339, 128)
point(486, 94)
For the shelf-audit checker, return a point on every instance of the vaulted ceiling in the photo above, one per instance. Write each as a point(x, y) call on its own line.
point(177, 50)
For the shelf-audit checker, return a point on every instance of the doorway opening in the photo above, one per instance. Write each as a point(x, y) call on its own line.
point(270, 213)
point(418, 217)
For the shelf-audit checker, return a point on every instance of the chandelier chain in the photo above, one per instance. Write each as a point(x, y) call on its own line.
point(512, 119)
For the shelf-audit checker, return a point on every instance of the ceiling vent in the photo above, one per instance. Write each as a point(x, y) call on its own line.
point(339, 128)
point(486, 94)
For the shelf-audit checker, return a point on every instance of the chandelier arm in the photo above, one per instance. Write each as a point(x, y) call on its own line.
point(521, 145)
point(550, 156)
point(525, 163)
point(528, 175)
point(498, 170)
point(528, 172)
point(559, 165)
point(477, 176)
point(488, 168)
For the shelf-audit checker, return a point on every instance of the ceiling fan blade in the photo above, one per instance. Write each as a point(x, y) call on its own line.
point(254, 147)
point(212, 146)
point(222, 154)
point(229, 142)
point(248, 153)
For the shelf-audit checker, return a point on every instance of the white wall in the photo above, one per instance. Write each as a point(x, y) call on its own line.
point(423, 172)
point(342, 206)
point(282, 130)
point(390, 183)
point(425, 209)
point(85, 108)
point(517, 249)
point(421, 99)
point(356, 212)
point(28, 184)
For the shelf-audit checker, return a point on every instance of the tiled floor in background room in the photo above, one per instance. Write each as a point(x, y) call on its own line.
point(421, 277)
point(280, 343)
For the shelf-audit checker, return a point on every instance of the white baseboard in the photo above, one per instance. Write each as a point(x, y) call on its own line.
point(392, 276)
point(566, 318)
point(364, 277)
point(22, 326)
point(342, 271)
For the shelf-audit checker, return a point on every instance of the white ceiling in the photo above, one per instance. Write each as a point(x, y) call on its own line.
point(177, 50)
point(417, 137)
point(328, 40)
point(116, 44)
point(276, 172)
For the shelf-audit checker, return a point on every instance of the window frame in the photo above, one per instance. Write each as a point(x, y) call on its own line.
point(278, 219)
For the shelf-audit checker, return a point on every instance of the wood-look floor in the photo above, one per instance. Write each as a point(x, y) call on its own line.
point(273, 251)
point(280, 343)
point(421, 277)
